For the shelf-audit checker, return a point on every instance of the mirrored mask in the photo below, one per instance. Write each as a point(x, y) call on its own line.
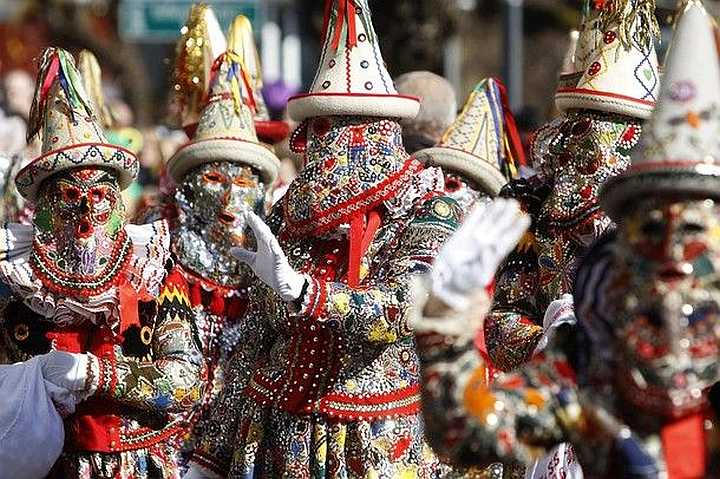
point(212, 202)
point(667, 295)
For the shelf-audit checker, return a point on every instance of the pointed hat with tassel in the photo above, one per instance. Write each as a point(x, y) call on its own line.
point(226, 131)
point(351, 77)
point(242, 41)
point(476, 144)
point(679, 152)
point(72, 136)
point(201, 42)
point(616, 67)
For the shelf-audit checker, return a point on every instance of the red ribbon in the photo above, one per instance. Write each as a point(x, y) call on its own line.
point(129, 315)
point(50, 77)
point(362, 231)
point(518, 152)
point(346, 12)
point(684, 447)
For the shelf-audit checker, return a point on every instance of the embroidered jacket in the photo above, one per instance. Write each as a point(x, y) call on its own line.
point(150, 368)
point(574, 155)
point(345, 353)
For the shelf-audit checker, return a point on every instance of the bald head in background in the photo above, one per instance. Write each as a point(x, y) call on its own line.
point(438, 108)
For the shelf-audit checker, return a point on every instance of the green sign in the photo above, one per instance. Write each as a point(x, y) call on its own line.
point(161, 20)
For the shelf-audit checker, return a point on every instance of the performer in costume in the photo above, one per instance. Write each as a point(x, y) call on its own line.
point(475, 151)
point(335, 391)
point(100, 301)
point(629, 387)
point(221, 174)
point(605, 102)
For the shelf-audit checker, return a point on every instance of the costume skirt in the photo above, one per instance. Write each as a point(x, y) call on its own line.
point(155, 462)
point(276, 444)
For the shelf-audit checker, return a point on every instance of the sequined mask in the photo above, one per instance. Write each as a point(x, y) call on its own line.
point(667, 294)
point(353, 164)
point(212, 200)
point(80, 245)
point(578, 154)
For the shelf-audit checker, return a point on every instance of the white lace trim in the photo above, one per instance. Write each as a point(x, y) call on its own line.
point(146, 272)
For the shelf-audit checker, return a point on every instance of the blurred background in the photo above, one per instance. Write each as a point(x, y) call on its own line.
point(521, 41)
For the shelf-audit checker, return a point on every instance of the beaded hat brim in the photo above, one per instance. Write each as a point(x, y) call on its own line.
point(234, 150)
point(466, 164)
point(690, 179)
point(118, 159)
point(301, 107)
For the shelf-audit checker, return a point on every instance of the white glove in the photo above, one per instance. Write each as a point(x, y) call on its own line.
point(470, 258)
point(197, 472)
point(269, 263)
point(67, 370)
point(559, 312)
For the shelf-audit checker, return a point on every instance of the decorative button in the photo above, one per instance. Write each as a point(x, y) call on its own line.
point(594, 69)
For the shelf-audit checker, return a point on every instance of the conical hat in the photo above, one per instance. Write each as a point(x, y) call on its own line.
point(201, 42)
point(351, 78)
point(680, 149)
point(242, 41)
point(226, 131)
point(473, 144)
point(72, 136)
point(91, 75)
point(615, 61)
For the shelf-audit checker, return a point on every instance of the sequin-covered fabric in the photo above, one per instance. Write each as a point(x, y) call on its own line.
point(336, 390)
point(574, 155)
point(150, 371)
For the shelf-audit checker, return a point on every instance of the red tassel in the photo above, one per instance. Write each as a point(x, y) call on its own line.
point(362, 231)
point(50, 77)
point(129, 315)
point(346, 13)
point(518, 152)
point(684, 447)
point(217, 304)
point(195, 294)
point(357, 228)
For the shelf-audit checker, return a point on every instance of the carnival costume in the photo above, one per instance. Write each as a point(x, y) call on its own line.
point(335, 392)
point(604, 103)
point(222, 173)
point(631, 385)
point(98, 302)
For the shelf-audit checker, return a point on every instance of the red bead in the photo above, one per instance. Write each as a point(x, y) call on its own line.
point(594, 69)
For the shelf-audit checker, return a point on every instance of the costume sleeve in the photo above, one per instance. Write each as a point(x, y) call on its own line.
point(218, 429)
point(474, 420)
point(511, 328)
point(377, 312)
point(173, 381)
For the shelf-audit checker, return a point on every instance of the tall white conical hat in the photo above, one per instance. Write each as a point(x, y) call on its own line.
point(616, 67)
point(680, 147)
point(351, 78)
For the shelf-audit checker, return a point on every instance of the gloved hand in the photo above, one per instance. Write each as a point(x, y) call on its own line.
point(67, 370)
point(469, 260)
point(269, 263)
point(559, 312)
